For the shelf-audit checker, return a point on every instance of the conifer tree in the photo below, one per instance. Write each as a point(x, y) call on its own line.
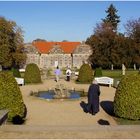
point(112, 17)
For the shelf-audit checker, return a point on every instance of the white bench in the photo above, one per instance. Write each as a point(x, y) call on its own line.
point(20, 81)
point(105, 80)
point(21, 70)
point(76, 73)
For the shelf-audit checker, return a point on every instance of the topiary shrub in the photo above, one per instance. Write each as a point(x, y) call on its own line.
point(127, 97)
point(16, 73)
point(10, 96)
point(49, 72)
point(32, 74)
point(64, 71)
point(98, 72)
point(85, 74)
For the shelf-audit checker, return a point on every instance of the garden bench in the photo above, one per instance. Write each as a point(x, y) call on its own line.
point(76, 73)
point(3, 116)
point(21, 70)
point(20, 81)
point(105, 80)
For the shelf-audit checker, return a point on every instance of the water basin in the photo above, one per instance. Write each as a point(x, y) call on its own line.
point(51, 94)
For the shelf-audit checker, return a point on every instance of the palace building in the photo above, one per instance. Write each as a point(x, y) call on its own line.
point(51, 54)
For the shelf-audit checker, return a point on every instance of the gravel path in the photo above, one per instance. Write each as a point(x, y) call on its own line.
point(43, 112)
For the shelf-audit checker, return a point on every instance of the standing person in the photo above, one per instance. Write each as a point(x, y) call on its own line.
point(93, 99)
point(57, 74)
point(68, 74)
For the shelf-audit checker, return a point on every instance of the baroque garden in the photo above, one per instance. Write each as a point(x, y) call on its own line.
point(25, 114)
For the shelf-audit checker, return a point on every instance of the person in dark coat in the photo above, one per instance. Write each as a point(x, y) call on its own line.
point(93, 99)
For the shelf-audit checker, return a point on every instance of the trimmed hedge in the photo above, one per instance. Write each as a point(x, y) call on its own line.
point(98, 72)
point(85, 73)
point(127, 97)
point(10, 96)
point(16, 73)
point(32, 74)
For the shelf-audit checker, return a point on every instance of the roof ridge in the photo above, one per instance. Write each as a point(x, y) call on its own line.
point(45, 47)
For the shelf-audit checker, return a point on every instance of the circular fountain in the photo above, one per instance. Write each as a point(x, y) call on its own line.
point(59, 92)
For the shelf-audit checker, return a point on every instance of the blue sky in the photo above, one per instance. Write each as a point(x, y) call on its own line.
point(64, 20)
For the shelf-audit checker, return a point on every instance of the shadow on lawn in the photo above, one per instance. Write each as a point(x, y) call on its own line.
point(108, 108)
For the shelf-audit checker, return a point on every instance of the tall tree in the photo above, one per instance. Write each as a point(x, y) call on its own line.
point(103, 39)
point(102, 42)
point(110, 48)
point(11, 44)
point(39, 39)
point(133, 29)
point(133, 33)
point(112, 17)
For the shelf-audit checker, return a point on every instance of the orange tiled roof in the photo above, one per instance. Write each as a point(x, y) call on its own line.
point(45, 47)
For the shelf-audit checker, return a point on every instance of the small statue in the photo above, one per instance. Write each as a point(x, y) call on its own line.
point(123, 69)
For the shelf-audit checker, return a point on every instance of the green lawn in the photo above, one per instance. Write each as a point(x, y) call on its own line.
point(22, 74)
point(117, 73)
point(121, 121)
